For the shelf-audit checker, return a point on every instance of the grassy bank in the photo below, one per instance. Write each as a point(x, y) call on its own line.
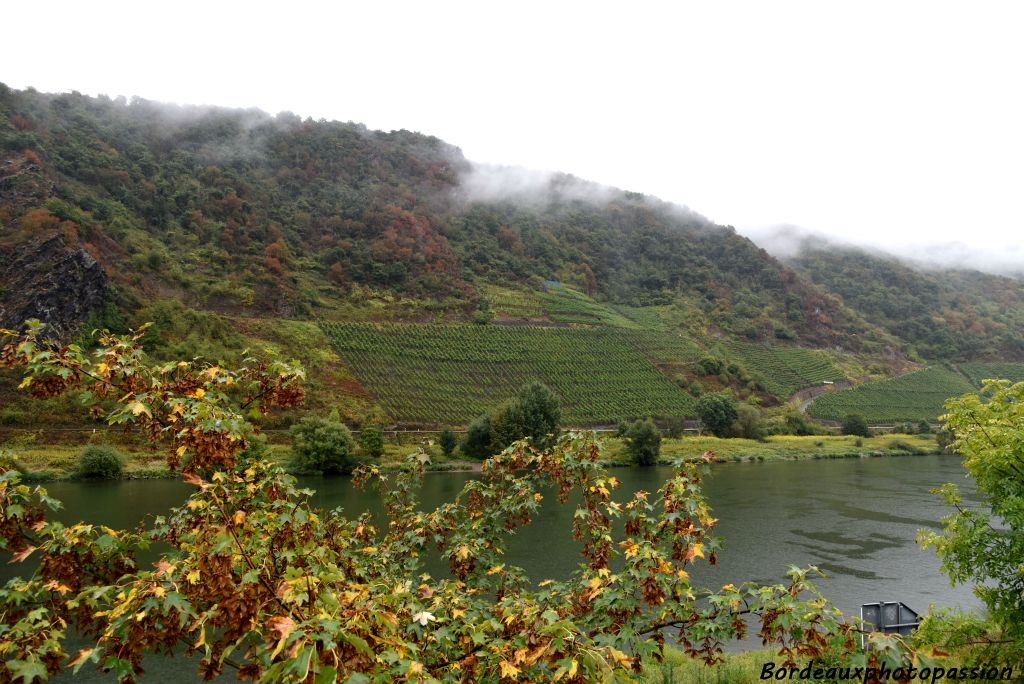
point(783, 447)
point(49, 462)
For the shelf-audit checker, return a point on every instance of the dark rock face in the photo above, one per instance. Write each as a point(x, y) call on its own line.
point(52, 282)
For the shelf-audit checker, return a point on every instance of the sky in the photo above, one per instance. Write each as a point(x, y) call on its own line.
point(895, 124)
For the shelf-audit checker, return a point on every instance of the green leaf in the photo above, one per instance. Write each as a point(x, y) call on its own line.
point(27, 670)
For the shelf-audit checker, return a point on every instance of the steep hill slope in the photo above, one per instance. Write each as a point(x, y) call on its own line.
point(241, 212)
point(942, 313)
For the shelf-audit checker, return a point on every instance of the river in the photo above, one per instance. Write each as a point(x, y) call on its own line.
point(854, 518)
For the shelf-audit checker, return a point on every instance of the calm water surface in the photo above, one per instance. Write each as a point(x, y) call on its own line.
point(854, 518)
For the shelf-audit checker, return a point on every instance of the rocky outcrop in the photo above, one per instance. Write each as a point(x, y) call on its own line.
point(53, 282)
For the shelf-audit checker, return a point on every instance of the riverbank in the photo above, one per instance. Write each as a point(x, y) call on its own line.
point(59, 462)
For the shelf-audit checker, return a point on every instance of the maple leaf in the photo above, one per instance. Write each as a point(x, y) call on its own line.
point(23, 554)
point(282, 626)
point(137, 408)
point(509, 671)
point(423, 617)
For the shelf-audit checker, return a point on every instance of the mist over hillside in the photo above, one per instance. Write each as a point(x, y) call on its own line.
point(244, 213)
point(787, 241)
point(240, 211)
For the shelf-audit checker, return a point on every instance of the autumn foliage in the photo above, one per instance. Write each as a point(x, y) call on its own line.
point(258, 580)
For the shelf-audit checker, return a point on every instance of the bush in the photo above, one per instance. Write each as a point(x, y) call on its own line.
point(674, 427)
point(477, 442)
point(796, 423)
point(100, 461)
point(371, 441)
point(323, 445)
point(535, 413)
point(856, 424)
point(643, 441)
point(748, 423)
point(717, 412)
point(710, 365)
point(448, 441)
point(923, 428)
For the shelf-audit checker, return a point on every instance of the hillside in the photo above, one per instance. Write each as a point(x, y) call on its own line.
point(941, 313)
point(351, 249)
point(241, 212)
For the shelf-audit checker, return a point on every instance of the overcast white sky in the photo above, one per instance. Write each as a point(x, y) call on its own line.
point(889, 123)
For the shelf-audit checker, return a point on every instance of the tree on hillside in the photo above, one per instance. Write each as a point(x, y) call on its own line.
point(643, 441)
point(984, 544)
point(717, 412)
point(856, 424)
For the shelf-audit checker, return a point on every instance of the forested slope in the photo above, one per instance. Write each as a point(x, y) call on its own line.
point(940, 313)
point(242, 212)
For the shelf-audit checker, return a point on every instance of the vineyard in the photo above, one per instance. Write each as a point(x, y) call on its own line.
point(557, 303)
point(784, 370)
point(920, 395)
point(449, 374)
point(1003, 371)
point(672, 352)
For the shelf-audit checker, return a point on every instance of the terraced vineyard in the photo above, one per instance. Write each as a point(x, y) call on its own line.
point(449, 374)
point(916, 396)
point(784, 370)
point(557, 303)
point(1003, 371)
point(669, 351)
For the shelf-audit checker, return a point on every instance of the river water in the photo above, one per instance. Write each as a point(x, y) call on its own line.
point(854, 518)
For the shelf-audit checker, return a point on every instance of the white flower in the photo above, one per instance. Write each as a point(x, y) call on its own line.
point(423, 617)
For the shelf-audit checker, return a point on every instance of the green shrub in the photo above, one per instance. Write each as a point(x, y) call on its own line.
point(100, 461)
point(323, 445)
point(478, 438)
point(717, 412)
point(448, 441)
point(674, 427)
point(748, 423)
point(711, 365)
point(371, 441)
point(855, 424)
point(796, 423)
point(643, 441)
point(534, 413)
